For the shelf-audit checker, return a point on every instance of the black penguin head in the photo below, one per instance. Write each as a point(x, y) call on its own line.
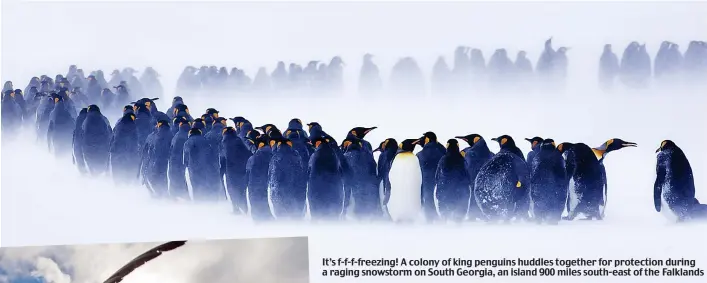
point(260, 141)
point(140, 107)
point(57, 98)
point(565, 146)
point(219, 120)
point(534, 142)
point(665, 145)
point(162, 124)
point(387, 144)
point(148, 102)
point(408, 145)
point(180, 121)
point(93, 108)
point(8, 94)
point(228, 131)
point(177, 99)
point(361, 132)
point(452, 145)
point(313, 125)
point(295, 123)
point(252, 134)
point(471, 139)
point(83, 111)
point(128, 109)
point(281, 143)
point(505, 141)
point(349, 144)
point(194, 132)
point(180, 108)
point(611, 145)
point(318, 142)
point(199, 123)
point(212, 112)
point(130, 116)
point(548, 144)
point(290, 134)
point(267, 128)
point(427, 137)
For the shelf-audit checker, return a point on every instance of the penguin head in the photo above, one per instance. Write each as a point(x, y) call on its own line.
point(181, 122)
point(534, 142)
point(252, 134)
point(219, 120)
point(177, 99)
point(162, 124)
point(321, 141)
point(452, 145)
point(238, 121)
point(665, 145)
point(408, 145)
point(426, 138)
point(295, 123)
point(194, 132)
point(8, 94)
point(199, 123)
point(128, 109)
point(611, 145)
point(274, 133)
point(351, 144)
point(388, 144)
point(361, 132)
point(283, 143)
point(212, 112)
point(471, 139)
point(129, 116)
point(58, 98)
point(228, 131)
point(83, 111)
point(179, 108)
point(267, 128)
point(93, 108)
point(505, 141)
point(149, 103)
point(548, 144)
point(565, 146)
point(18, 93)
point(314, 125)
point(290, 134)
point(140, 107)
point(259, 142)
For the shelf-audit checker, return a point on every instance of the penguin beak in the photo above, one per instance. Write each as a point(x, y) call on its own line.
point(377, 149)
point(658, 150)
point(369, 130)
point(494, 139)
point(629, 144)
point(529, 140)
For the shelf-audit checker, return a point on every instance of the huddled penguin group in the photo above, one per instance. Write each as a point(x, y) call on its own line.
point(292, 174)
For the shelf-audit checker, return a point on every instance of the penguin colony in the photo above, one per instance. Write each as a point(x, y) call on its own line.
point(284, 173)
point(469, 70)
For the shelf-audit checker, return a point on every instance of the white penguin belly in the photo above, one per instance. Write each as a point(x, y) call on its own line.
point(406, 187)
point(573, 197)
point(666, 211)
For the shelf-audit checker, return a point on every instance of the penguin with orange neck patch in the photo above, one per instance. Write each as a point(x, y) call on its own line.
point(405, 176)
point(600, 152)
point(674, 188)
point(501, 187)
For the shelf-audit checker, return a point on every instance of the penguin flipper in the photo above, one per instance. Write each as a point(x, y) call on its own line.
point(658, 186)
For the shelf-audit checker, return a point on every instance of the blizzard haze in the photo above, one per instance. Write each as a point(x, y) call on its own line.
point(46, 202)
point(252, 260)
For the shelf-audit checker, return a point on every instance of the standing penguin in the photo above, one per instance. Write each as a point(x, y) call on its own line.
point(601, 152)
point(326, 185)
point(257, 170)
point(501, 187)
point(60, 129)
point(77, 142)
point(361, 180)
point(534, 147)
point(124, 160)
point(143, 122)
point(548, 185)
point(176, 170)
point(674, 188)
point(287, 186)
point(432, 151)
point(360, 133)
point(475, 156)
point(405, 203)
point(585, 181)
point(387, 148)
point(452, 192)
point(233, 160)
point(96, 135)
point(200, 168)
point(156, 153)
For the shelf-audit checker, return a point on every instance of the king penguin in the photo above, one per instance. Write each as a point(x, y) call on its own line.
point(601, 152)
point(475, 156)
point(548, 185)
point(405, 176)
point(674, 188)
point(452, 192)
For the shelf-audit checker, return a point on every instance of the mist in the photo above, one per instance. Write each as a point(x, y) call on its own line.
point(261, 260)
point(45, 200)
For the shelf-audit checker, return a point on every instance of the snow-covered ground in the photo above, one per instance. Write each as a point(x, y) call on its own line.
point(44, 201)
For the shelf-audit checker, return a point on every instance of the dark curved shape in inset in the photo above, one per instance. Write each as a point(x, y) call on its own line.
point(142, 259)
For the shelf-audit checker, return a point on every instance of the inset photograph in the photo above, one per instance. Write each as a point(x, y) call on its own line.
point(264, 260)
